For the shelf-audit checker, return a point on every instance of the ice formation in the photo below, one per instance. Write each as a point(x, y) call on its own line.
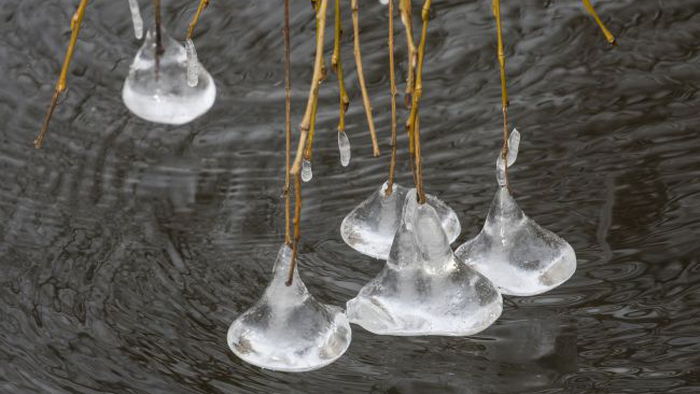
point(344, 148)
point(371, 226)
point(287, 329)
point(136, 18)
point(423, 289)
point(166, 96)
point(306, 171)
point(513, 251)
point(192, 64)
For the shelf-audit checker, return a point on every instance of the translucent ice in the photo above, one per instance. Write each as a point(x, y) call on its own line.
point(192, 64)
point(423, 289)
point(518, 255)
point(136, 18)
point(287, 329)
point(371, 226)
point(513, 146)
point(344, 148)
point(306, 171)
point(167, 98)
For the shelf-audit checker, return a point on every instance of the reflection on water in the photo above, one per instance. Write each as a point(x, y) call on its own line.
point(127, 248)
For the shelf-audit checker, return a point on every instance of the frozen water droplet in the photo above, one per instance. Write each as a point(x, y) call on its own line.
point(136, 18)
point(344, 148)
point(383, 2)
point(513, 146)
point(306, 172)
point(288, 329)
point(371, 226)
point(192, 64)
point(518, 255)
point(423, 290)
point(169, 98)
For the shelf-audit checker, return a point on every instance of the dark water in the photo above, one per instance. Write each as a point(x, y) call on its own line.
point(128, 248)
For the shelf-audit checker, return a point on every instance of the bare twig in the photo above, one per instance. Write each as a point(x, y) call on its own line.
point(75, 23)
point(504, 89)
point(287, 124)
point(407, 20)
point(308, 151)
point(203, 4)
point(392, 80)
point(159, 50)
point(313, 89)
point(608, 36)
point(337, 65)
point(415, 102)
point(297, 230)
point(361, 76)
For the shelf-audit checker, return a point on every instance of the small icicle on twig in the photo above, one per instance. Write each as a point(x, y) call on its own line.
point(192, 64)
point(136, 18)
point(344, 148)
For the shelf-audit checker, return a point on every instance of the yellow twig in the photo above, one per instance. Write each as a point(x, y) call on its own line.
point(337, 64)
point(606, 32)
point(392, 81)
point(407, 20)
point(504, 89)
point(361, 77)
point(203, 4)
point(287, 124)
point(415, 102)
point(315, 84)
point(75, 23)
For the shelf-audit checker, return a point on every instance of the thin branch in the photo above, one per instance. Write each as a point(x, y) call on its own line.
point(361, 77)
point(608, 36)
point(504, 89)
point(337, 65)
point(287, 122)
point(407, 20)
point(203, 4)
point(313, 89)
point(297, 231)
point(75, 23)
point(159, 50)
point(415, 103)
point(392, 80)
point(308, 151)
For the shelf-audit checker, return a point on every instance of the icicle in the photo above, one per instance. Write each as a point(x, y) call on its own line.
point(513, 146)
point(383, 2)
point(344, 148)
point(192, 64)
point(136, 18)
point(306, 173)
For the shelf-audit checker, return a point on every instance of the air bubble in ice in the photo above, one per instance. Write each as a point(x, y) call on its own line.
point(166, 97)
point(423, 289)
point(288, 329)
point(371, 226)
point(517, 254)
point(344, 148)
point(306, 171)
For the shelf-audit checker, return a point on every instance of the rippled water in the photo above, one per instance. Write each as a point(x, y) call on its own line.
point(128, 248)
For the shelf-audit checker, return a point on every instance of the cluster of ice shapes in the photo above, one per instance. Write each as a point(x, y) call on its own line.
point(176, 89)
point(424, 288)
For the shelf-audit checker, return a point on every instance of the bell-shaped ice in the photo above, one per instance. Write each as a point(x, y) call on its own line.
point(514, 252)
point(371, 226)
point(423, 289)
point(287, 329)
point(165, 96)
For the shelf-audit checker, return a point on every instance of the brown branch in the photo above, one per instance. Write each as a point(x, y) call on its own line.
point(315, 84)
point(337, 65)
point(297, 231)
point(608, 36)
point(361, 77)
point(159, 50)
point(504, 89)
point(203, 4)
point(415, 102)
point(392, 80)
point(287, 123)
point(407, 20)
point(75, 23)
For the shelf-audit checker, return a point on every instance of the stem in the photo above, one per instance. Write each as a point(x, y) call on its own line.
point(407, 20)
point(392, 79)
point(203, 4)
point(315, 84)
point(297, 220)
point(287, 123)
point(608, 36)
point(337, 65)
point(159, 36)
point(308, 151)
point(415, 103)
point(361, 77)
point(504, 89)
point(75, 23)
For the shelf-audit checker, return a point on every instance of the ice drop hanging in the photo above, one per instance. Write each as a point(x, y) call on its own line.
point(136, 18)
